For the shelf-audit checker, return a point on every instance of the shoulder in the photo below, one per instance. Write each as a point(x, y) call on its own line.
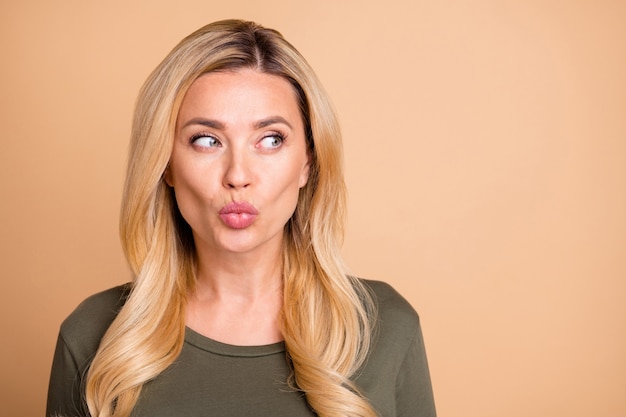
point(396, 324)
point(98, 310)
point(395, 376)
point(82, 330)
point(393, 310)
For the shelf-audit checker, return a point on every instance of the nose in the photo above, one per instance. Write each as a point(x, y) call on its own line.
point(237, 171)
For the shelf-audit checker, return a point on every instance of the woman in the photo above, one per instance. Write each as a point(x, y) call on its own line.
point(231, 220)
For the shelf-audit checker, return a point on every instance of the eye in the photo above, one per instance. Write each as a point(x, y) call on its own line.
point(205, 141)
point(273, 141)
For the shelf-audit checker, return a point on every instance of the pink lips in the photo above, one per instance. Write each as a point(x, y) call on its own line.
point(238, 215)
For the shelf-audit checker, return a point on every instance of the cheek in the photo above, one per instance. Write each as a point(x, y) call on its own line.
point(191, 190)
point(187, 204)
point(293, 177)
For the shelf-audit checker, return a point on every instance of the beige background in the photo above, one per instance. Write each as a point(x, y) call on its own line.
point(486, 161)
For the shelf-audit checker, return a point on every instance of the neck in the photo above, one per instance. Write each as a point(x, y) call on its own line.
point(239, 295)
point(238, 299)
point(250, 275)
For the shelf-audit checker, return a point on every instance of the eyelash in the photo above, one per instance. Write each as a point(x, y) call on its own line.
point(277, 135)
point(195, 138)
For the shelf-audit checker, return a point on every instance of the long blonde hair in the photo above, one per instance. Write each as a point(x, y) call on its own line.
point(326, 314)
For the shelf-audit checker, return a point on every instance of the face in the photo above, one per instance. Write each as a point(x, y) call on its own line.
point(239, 160)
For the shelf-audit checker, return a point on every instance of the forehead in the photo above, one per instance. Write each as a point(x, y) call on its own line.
point(239, 96)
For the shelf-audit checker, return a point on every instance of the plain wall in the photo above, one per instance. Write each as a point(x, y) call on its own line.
point(486, 163)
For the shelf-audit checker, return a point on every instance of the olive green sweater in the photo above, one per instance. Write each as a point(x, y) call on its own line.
point(210, 378)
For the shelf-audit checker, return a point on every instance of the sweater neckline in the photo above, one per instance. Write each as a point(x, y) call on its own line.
point(207, 344)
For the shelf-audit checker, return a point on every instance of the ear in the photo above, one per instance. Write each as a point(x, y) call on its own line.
point(304, 174)
point(167, 176)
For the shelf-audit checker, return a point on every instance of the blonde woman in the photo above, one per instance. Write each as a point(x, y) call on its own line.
point(231, 221)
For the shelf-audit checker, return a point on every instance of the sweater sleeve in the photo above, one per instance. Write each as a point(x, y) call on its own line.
point(414, 395)
point(64, 390)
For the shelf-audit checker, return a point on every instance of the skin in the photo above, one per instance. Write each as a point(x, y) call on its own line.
point(239, 138)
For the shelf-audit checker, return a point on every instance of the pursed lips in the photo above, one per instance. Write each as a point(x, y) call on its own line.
point(238, 214)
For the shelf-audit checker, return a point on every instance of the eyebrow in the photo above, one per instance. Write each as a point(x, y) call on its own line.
point(205, 122)
point(215, 124)
point(271, 121)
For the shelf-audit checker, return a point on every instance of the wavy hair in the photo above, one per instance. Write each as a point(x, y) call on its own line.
point(326, 317)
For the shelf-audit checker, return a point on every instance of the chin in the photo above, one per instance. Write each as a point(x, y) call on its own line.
point(246, 243)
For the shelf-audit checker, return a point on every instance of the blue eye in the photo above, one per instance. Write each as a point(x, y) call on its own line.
point(203, 141)
point(272, 141)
